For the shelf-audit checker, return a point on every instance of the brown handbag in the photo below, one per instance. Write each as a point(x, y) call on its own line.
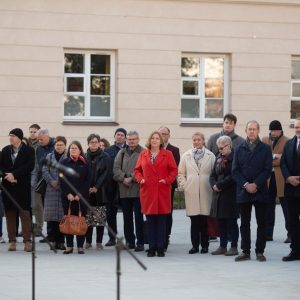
point(73, 225)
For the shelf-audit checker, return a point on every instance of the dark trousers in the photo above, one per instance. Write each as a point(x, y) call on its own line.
point(294, 223)
point(170, 218)
point(111, 215)
point(79, 239)
point(130, 206)
point(285, 210)
point(199, 231)
point(228, 227)
point(261, 220)
point(54, 233)
point(99, 234)
point(156, 226)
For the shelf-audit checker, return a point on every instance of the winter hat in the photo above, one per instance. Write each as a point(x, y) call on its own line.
point(18, 132)
point(275, 125)
point(121, 130)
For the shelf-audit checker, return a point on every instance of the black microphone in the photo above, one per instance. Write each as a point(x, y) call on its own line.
point(65, 170)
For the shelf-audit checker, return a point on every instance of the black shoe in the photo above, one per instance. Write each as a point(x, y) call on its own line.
point(47, 239)
point(243, 256)
point(160, 252)
point(68, 251)
point(194, 250)
point(60, 246)
point(130, 246)
point(260, 257)
point(288, 240)
point(110, 243)
point(292, 256)
point(139, 248)
point(151, 253)
point(204, 250)
point(80, 251)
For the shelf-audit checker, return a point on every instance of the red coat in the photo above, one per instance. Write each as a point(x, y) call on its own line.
point(155, 196)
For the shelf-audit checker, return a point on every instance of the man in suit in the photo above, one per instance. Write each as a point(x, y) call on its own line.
point(276, 140)
point(165, 132)
point(290, 167)
point(17, 163)
point(251, 169)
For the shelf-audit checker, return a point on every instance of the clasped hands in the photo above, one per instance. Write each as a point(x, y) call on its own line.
point(73, 198)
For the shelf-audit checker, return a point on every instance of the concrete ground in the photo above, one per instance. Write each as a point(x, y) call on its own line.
point(176, 276)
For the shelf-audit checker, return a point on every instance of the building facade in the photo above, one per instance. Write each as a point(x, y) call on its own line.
point(78, 67)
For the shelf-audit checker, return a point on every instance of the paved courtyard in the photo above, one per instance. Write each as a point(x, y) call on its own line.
point(176, 276)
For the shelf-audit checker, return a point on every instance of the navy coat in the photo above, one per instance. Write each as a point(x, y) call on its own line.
point(253, 167)
point(287, 165)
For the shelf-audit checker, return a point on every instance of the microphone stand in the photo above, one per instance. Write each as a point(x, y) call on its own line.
point(119, 240)
point(33, 232)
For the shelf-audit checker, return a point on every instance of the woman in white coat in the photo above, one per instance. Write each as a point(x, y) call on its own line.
point(194, 170)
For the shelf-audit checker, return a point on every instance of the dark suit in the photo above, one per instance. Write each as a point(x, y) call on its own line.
point(290, 166)
point(176, 154)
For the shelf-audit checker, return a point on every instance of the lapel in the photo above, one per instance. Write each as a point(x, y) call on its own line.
point(22, 149)
point(192, 160)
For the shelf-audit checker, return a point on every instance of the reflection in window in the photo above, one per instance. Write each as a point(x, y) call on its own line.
point(74, 106)
point(295, 87)
point(88, 82)
point(203, 89)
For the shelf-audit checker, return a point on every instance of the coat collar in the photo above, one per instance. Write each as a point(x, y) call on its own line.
point(190, 157)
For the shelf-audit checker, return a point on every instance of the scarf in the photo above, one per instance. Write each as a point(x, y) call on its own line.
point(198, 154)
point(80, 158)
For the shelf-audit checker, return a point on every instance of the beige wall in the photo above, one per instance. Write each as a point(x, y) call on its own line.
point(149, 38)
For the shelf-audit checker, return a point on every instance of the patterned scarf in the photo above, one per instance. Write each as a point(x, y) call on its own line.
point(198, 154)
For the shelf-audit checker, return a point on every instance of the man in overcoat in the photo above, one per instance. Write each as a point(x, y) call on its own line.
point(251, 169)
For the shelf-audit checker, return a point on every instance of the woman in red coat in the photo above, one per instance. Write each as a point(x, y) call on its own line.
point(155, 171)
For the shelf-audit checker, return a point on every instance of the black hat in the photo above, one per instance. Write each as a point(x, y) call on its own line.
point(121, 130)
point(275, 125)
point(18, 132)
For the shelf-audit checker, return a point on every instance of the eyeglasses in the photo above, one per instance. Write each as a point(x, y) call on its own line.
point(221, 148)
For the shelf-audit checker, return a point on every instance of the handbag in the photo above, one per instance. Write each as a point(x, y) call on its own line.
point(73, 225)
point(98, 218)
point(41, 186)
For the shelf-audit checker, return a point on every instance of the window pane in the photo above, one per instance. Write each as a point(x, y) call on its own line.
point(214, 67)
point(190, 88)
point(100, 85)
point(75, 84)
point(295, 109)
point(214, 88)
point(295, 69)
point(296, 89)
point(189, 67)
point(190, 108)
point(100, 106)
point(100, 64)
point(74, 106)
point(214, 108)
point(74, 63)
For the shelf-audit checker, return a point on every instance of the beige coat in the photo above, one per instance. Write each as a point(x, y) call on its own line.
point(276, 163)
point(194, 181)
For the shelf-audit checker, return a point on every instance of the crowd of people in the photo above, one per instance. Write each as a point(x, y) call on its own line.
point(221, 180)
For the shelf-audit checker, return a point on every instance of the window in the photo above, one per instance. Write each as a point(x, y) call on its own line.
point(204, 87)
point(295, 88)
point(89, 86)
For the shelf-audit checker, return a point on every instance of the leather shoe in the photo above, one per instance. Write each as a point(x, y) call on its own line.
point(68, 251)
point(139, 248)
point(292, 256)
point(160, 252)
point(151, 253)
point(204, 250)
point(110, 243)
point(194, 250)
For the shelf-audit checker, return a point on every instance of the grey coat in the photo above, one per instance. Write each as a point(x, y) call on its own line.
point(53, 209)
point(212, 142)
point(123, 167)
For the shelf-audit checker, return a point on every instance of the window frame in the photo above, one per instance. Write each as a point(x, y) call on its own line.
point(201, 88)
point(295, 57)
point(86, 86)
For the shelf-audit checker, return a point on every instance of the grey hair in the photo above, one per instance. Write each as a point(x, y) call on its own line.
point(254, 122)
point(133, 132)
point(43, 131)
point(224, 139)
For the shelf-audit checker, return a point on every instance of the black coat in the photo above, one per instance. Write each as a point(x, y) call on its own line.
point(224, 203)
point(287, 164)
point(82, 184)
point(21, 170)
point(100, 172)
point(176, 154)
point(253, 167)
